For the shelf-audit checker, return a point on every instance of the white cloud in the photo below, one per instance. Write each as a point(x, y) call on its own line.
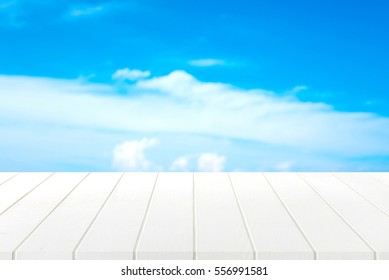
point(86, 11)
point(210, 162)
point(129, 155)
point(207, 62)
point(296, 90)
point(130, 74)
point(180, 164)
point(284, 166)
point(179, 103)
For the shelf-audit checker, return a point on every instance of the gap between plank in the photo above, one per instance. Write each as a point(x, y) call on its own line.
point(377, 180)
point(144, 220)
point(244, 220)
point(10, 178)
point(372, 203)
point(9, 207)
point(293, 218)
point(95, 218)
point(14, 253)
point(340, 216)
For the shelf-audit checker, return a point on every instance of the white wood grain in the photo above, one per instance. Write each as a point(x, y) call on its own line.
point(274, 232)
point(368, 221)
point(115, 231)
point(220, 229)
point(16, 188)
point(382, 177)
point(373, 190)
point(296, 216)
point(4, 176)
point(59, 234)
point(168, 227)
point(21, 219)
point(329, 235)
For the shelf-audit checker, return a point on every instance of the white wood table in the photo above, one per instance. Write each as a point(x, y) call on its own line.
point(194, 215)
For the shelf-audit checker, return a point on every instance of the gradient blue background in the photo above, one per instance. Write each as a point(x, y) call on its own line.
point(336, 51)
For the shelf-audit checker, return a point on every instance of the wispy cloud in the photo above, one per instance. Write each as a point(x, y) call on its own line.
point(76, 12)
point(180, 164)
point(209, 162)
point(207, 62)
point(130, 74)
point(130, 155)
point(205, 162)
point(296, 90)
point(284, 166)
point(87, 10)
point(179, 103)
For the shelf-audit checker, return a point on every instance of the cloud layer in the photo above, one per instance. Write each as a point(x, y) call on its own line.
point(86, 11)
point(209, 162)
point(205, 162)
point(130, 74)
point(207, 62)
point(180, 164)
point(130, 155)
point(179, 103)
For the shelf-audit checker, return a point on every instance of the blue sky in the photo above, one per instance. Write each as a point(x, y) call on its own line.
point(194, 85)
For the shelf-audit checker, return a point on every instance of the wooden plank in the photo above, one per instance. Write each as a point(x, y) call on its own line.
point(4, 176)
point(168, 227)
point(59, 234)
point(14, 190)
point(382, 177)
point(115, 231)
point(330, 216)
point(220, 229)
point(368, 221)
point(274, 232)
point(373, 190)
point(329, 235)
point(21, 219)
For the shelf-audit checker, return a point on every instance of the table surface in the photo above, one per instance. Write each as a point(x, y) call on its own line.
point(167, 215)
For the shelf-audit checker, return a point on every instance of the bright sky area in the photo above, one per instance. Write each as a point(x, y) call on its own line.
point(147, 85)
